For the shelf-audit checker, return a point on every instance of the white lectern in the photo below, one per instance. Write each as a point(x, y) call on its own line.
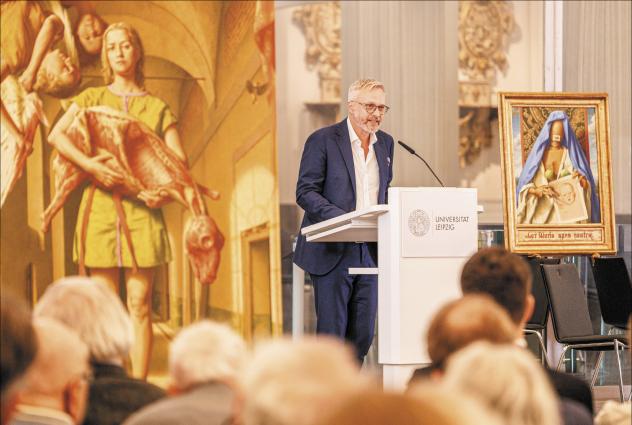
point(424, 237)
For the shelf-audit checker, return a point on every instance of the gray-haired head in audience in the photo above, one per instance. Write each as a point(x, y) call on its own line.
point(58, 379)
point(92, 310)
point(205, 352)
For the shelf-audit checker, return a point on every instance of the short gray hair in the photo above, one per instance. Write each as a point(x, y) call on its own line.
point(291, 382)
point(92, 310)
point(61, 356)
point(203, 352)
point(363, 84)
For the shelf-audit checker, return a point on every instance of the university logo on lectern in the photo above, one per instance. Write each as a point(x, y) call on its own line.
point(418, 223)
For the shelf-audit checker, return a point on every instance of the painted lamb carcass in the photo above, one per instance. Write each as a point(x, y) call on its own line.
point(146, 163)
point(25, 110)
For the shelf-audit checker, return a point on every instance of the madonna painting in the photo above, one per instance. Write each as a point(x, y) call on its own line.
point(556, 173)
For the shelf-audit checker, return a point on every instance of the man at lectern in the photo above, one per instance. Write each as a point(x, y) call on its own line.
point(345, 167)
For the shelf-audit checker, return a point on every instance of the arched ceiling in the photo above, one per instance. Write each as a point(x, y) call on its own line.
point(184, 33)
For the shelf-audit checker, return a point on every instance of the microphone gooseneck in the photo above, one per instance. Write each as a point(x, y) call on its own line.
point(412, 152)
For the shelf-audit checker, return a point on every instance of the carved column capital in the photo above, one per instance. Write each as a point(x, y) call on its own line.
point(321, 25)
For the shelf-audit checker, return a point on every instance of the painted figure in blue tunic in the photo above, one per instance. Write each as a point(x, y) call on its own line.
point(556, 153)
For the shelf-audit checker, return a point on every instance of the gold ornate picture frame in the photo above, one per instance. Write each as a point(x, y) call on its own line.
point(556, 171)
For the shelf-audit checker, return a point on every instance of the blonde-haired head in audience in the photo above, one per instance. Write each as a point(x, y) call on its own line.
point(424, 405)
point(506, 379)
point(92, 310)
point(291, 382)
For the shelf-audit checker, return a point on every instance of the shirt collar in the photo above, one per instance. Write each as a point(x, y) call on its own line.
point(41, 411)
point(354, 137)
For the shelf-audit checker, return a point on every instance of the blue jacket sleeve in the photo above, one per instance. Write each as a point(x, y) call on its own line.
point(311, 180)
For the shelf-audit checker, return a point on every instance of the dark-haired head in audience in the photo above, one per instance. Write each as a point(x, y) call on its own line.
point(56, 385)
point(505, 277)
point(204, 361)
point(98, 316)
point(17, 350)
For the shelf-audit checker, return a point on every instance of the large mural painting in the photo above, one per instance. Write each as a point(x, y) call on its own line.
point(138, 147)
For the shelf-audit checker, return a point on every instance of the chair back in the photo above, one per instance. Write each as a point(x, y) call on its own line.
point(614, 290)
point(569, 308)
point(538, 319)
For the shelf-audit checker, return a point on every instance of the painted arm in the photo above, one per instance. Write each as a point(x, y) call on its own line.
point(5, 119)
point(7, 123)
point(95, 165)
point(172, 139)
point(311, 177)
point(51, 30)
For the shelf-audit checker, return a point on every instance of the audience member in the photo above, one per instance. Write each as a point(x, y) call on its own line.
point(17, 350)
point(204, 360)
point(506, 277)
point(97, 315)
point(461, 322)
point(426, 406)
point(296, 382)
point(614, 413)
point(506, 379)
point(56, 387)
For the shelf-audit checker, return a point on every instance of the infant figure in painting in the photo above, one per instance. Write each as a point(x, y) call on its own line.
point(556, 154)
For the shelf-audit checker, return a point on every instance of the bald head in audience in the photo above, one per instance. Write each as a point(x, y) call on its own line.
point(58, 379)
point(466, 320)
point(504, 276)
point(291, 382)
point(17, 349)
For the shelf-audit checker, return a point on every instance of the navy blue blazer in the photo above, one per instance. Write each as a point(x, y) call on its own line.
point(326, 188)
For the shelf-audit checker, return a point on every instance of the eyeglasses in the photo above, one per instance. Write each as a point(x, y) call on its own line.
point(371, 107)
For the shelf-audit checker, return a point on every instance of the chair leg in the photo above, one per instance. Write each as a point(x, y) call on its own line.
point(616, 349)
point(559, 363)
point(593, 379)
point(543, 355)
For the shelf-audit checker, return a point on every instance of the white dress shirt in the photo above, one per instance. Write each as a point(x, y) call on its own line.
point(367, 171)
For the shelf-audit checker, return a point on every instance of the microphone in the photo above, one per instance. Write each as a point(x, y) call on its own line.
point(412, 151)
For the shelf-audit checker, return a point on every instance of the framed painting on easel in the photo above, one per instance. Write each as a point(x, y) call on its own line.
point(556, 167)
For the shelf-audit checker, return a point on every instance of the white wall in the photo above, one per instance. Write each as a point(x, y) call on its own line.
point(598, 58)
point(295, 85)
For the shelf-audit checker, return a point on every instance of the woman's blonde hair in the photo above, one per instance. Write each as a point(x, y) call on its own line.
point(106, 70)
point(506, 379)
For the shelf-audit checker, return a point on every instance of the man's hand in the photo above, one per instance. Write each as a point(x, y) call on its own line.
point(154, 198)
